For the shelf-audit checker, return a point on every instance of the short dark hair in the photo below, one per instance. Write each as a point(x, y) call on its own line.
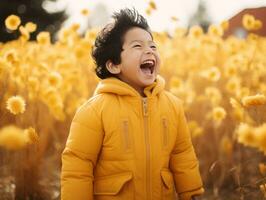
point(108, 43)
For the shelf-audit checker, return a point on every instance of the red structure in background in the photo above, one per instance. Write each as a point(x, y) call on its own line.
point(235, 23)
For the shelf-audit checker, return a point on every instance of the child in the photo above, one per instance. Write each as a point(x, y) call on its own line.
point(130, 140)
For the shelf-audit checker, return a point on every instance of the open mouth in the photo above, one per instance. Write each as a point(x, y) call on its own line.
point(148, 66)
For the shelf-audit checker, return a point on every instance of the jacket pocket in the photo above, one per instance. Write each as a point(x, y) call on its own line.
point(114, 187)
point(127, 140)
point(127, 144)
point(168, 192)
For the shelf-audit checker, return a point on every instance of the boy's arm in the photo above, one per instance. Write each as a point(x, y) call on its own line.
point(80, 155)
point(184, 163)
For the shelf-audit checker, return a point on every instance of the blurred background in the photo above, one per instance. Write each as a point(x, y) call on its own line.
point(213, 57)
point(50, 15)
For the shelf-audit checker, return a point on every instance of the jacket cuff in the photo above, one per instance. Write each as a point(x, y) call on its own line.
point(188, 195)
point(188, 180)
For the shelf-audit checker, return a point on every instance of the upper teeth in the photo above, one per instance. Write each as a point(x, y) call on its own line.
point(148, 62)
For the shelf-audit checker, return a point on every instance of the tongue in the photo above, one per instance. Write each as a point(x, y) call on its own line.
point(146, 70)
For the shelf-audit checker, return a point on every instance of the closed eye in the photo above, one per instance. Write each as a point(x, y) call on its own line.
point(153, 47)
point(137, 45)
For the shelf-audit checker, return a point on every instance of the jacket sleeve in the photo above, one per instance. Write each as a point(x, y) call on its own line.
point(80, 155)
point(183, 161)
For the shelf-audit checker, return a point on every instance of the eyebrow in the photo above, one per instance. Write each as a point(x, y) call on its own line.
point(150, 41)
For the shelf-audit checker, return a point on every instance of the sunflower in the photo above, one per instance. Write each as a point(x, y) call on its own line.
point(218, 113)
point(225, 25)
point(212, 74)
point(152, 5)
point(246, 135)
point(195, 31)
point(214, 30)
point(248, 22)
point(25, 35)
point(12, 22)
point(12, 138)
point(43, 38)
point(257, 24)
point(30, 27)
point(255, 100)
point(85, 12)
point(16, 105)
point(55, 79)
point(32, 135)
point(226, 145)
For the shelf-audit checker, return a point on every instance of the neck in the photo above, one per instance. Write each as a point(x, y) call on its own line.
point(140, 90)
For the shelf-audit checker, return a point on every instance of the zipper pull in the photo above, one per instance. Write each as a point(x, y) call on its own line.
point(145, 106)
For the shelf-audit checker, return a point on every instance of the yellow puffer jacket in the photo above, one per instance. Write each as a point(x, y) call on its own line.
point(122, 146)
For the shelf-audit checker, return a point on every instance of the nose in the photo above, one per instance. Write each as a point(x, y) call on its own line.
point(148, 50)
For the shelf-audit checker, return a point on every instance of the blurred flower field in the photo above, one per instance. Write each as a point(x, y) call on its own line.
point(221, 80)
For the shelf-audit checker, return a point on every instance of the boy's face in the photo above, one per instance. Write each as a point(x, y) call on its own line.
point(140, 60)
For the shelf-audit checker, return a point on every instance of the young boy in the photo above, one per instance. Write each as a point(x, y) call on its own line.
point(130, 140)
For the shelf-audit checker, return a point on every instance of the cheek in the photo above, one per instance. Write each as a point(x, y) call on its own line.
point(131, 58)
point(158, 59)
point(130, 63)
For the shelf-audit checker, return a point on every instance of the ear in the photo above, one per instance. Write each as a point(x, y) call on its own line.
point(112, 68)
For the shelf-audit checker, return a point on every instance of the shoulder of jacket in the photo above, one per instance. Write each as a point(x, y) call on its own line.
point(173, 99)
point(88, 109)
point(93, 104)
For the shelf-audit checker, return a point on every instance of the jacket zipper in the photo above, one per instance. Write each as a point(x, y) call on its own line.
point(145, 117)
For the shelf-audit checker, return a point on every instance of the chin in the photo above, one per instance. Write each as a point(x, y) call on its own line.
point(148, 83)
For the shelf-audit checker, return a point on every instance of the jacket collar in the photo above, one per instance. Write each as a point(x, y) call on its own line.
point(116, 86)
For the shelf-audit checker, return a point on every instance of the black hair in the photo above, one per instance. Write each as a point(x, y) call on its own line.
point(108, 43)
